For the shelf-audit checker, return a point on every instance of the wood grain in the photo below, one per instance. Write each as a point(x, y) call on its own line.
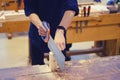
point(105, 68)
point(108, 32)
point(94, 69)
point(46, 76)
point(24, 71)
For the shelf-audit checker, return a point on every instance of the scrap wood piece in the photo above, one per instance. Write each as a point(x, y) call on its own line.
point(52, 62)
point(94, 69)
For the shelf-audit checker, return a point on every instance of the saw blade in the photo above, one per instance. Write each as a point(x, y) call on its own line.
point(59, 57)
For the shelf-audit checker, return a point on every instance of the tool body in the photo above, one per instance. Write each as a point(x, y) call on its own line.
point(86, 14)
point(80, 26)
point(58, 55)
point(77, 27)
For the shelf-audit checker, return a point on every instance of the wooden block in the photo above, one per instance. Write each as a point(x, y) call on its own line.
point(52, 62)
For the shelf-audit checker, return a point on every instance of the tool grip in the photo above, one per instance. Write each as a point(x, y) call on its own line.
point(47, 27)
point(84, 10)
point(89, 8)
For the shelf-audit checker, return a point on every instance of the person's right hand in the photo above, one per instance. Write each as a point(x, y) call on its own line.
point(41, 30)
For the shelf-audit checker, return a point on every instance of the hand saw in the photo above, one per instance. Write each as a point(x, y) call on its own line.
point(59, 57)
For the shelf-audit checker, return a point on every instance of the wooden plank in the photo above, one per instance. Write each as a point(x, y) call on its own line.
point(46, 76)
point(16, 17)
point(23, 71)
point(108, 19)
point(37, 72)
point(94, 34)
point(107, 68)
point(15, 23)
point(15, 26)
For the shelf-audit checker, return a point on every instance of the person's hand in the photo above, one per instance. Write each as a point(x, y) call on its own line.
point(60, 39)
point(41, 30)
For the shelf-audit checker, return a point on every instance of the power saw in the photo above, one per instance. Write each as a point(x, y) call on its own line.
point(58, 55)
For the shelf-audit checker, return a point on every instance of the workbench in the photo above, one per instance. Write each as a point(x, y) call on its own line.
point(105, 68)
point(102, 28)
point(15, 23)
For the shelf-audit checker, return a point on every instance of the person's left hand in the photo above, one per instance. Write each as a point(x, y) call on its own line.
point(60, 39)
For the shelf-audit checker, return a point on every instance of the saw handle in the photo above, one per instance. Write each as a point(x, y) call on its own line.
point(84, 9)
point(47, 27)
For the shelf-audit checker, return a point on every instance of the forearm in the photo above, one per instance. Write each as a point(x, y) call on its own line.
point(35, 20)
point(65, 22)
point(67, 18)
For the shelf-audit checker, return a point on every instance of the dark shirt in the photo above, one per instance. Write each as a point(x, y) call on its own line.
point(51, 11)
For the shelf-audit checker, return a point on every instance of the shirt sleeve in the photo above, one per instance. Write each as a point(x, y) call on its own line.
point(30, 6)
point(71, 5)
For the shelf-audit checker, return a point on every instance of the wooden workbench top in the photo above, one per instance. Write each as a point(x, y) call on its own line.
point(27, 73)
point(107, 68)
point(94, 69)
point(15, 19)
point(12, 16)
